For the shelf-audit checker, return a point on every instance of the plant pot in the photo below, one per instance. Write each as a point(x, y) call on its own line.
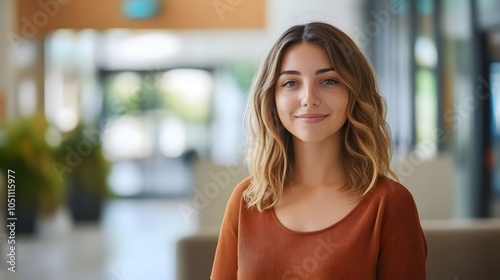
point(84, 205)
point(27, 217)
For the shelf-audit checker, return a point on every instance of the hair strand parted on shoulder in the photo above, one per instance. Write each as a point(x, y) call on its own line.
point(366, 147)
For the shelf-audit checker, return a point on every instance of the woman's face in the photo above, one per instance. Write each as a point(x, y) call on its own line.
point(310, 99)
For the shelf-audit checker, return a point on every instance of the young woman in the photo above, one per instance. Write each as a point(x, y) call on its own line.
point(318, 203)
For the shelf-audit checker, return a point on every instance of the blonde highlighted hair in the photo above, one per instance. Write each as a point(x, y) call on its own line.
point(366, 145)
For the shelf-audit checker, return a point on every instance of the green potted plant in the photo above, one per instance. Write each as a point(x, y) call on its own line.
point(24, 151)
point(81, 162)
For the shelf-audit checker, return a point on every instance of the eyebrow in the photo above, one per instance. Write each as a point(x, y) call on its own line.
point(295, 72)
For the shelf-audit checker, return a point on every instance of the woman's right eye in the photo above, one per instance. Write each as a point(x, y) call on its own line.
point(289, 84)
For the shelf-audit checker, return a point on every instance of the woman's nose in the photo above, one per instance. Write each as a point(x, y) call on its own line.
point(310, 97)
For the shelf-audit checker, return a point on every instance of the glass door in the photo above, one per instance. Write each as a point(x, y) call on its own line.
point(154, 124)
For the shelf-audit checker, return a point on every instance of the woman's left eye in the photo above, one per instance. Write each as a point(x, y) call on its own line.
point(329, 81)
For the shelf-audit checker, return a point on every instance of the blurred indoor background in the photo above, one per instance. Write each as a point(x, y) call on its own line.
point(121, 120)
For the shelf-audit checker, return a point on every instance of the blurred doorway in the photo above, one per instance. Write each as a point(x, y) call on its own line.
point(154, 124)
point(489, 98)
point(487, 91)
point(494, 135)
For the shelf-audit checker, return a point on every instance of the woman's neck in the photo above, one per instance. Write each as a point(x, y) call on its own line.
point(318, 164)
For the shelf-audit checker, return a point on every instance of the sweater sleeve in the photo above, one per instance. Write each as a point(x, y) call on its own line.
point(403, 251)
point(225, 264)
point(404, 257)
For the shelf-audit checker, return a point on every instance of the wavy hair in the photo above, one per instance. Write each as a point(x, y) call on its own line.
point(366, 145)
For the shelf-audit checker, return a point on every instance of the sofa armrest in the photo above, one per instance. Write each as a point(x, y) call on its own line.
point(195, 255)
point(463, 249)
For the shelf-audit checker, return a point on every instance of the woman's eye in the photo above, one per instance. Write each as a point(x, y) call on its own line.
point(289, 84)
point(329, 81)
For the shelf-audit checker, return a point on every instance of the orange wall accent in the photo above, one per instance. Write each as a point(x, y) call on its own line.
point(34, 19)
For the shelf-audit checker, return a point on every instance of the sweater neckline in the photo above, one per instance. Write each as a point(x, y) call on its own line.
point(350, 213)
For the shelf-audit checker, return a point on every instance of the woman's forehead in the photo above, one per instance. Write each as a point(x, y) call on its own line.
point(306, 57)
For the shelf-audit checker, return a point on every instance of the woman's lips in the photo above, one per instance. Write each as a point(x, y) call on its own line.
point(311, 118)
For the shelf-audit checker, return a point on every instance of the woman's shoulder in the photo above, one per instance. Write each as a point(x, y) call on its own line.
point(243, 185)
point(396, 199)
point(387, 188)
point(237, 196)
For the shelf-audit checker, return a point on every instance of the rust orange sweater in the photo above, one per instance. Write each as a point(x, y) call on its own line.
point(381, 238)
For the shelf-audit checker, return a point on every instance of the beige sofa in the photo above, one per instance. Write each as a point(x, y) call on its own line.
point(458, 250)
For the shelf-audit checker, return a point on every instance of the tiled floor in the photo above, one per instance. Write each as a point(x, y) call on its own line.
point(134, 241)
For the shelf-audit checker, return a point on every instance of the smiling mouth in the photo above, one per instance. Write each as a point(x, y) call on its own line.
point(311, 118)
